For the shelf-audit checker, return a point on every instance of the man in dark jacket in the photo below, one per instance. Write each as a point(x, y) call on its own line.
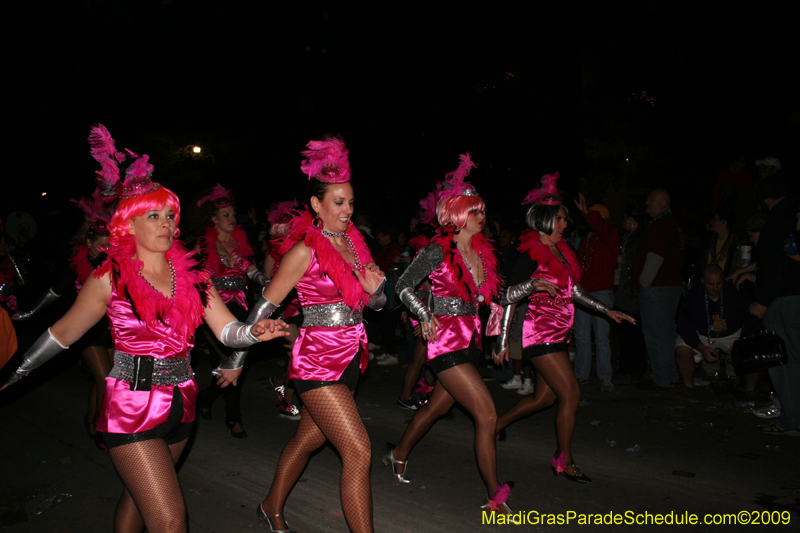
point(777, 299)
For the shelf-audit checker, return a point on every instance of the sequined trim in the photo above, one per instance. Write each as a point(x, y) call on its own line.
point(452, 306)
point(330, 315)
point(170, 371)
point(545, 299)
point(229, 284)
point(6, 289)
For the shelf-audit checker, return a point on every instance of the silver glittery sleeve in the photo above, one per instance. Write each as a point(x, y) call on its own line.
point(47, 298)
point(19, 271)
point(517, 292)
point(263, 309)
point(378, 298)
point(45, 348)
point(415, 305)
point(428, 260)
point(237, 335)
point(505, 329)
point(579, 295)
point(259, 277)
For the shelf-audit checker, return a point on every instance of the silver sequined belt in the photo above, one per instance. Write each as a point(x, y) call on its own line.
point(556, 302)
point(6, 289)
point(170, 371)
point(449, 306)
point(229, 284)
point(330, 315)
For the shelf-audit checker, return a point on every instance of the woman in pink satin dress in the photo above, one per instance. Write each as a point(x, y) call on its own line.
point(325, 258)
point(461, 267)
point(154, 295)
point(552, 288)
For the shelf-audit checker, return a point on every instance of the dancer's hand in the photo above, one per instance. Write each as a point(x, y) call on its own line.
point(618, 317)
point(500, 358)
point(269, 329)
point(372, 277)
point(541, 285)
point(429, 329)
point(227, 377)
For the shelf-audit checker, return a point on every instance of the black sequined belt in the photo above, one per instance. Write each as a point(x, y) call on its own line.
point(142, 371)
point(331, 315)
point(229, 284)
point(6, 289)
point(449, 306)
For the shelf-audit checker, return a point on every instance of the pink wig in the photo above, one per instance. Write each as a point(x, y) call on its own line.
point(137, 206)
point(455, 209)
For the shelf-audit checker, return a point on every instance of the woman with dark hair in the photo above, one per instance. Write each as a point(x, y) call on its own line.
point(155, 295)
point(546, 330)
point(461, 267)
point(95, 346)
point(632, 349)
point(229, 257)
point(326, 259)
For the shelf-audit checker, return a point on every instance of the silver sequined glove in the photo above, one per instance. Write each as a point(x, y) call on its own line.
point(505, 329)
point(415, 305)
point(263, 309)
point(47, 298)
point(45, 348)
point(378, 298)
point(579, 295)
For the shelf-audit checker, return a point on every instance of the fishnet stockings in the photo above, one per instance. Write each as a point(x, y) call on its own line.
point(555, 381)
point(151, 495)
point(329, 414)
point(462, 384)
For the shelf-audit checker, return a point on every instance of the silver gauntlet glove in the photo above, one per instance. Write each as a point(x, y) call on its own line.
point(378, 298)
point(580, 296)
point(45, 348)
point(415, 305)
point(263, 309)
point(519, 291)
point(505, 329)
point(47, 298)
point(259, 277)
point(237, 335)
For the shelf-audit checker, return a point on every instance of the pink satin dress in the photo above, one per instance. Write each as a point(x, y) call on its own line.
point(127, 411)
point(455, 332)
point(549, 320)
point(219, 269)
point(323, 353)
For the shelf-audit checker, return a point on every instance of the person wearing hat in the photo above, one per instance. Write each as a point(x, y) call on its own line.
point(597, 254)
point(768, 167)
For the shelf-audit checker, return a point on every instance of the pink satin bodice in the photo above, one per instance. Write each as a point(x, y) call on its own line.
point(549, 320)
point(323, 353)
point(127, 411)
point(239, 272)
point(455, 332)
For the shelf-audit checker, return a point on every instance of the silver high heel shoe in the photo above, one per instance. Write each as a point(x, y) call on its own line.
point(389, 459)
point(268, 519)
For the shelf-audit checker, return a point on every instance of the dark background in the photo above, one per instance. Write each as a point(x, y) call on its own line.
point(617, 99)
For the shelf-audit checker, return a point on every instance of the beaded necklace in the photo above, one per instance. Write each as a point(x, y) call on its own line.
point(350, 245)
point(172, 274)
point(712, 325)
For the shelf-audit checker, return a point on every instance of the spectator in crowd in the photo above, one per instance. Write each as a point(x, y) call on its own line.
point(721, 248)
point(597, 253)
point(777, 299)
point(730, 181)
point(388, 259)
point(657, 269)
point(747, 201)
point(710, 319)
point(632, 349)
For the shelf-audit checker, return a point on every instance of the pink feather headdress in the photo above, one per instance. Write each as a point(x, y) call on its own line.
point(104, 151)
point(326, 160)
point(95, 211)
point(547, 193)
point(427, 212)
point(282, 212)
point(219, 195)
point(137, 177)
point(454, 184)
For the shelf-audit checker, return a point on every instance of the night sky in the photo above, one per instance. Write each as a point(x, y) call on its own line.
point(526, 89)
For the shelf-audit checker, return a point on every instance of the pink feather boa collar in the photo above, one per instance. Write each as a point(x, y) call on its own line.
point(184, 311)
point(531, 245)
point(208, 246)
point(458, 269)
point(79, 262)
point(331, 262)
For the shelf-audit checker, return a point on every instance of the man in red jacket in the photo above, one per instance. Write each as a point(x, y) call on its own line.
point(597, 253)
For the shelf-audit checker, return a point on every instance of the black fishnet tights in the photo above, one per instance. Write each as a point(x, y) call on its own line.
point(462, 384)
point(555, 381)
point(329, 414)
point(151, 495)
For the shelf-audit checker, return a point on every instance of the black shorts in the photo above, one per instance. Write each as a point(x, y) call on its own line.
point(172, 431)
point(538, 350)
point(349, 377)
point(447, 360)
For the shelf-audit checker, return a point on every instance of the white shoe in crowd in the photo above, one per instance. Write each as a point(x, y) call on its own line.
point(527, 387)
point(700, 382)
point(606, 385)
point(514, 383)
point(388, 359)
